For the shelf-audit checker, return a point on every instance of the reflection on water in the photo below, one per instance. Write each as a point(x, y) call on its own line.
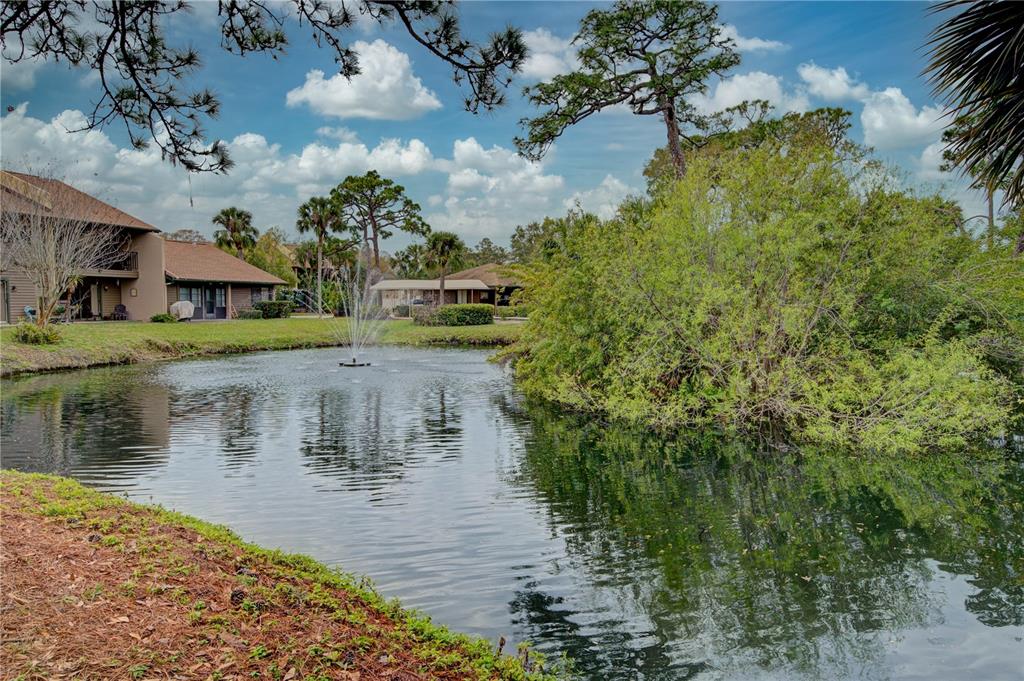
point(637, 557)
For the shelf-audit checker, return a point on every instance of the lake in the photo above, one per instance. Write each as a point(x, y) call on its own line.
point(637, 557)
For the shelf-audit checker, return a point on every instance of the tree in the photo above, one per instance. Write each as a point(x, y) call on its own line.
point(411, 262)
point(270, 254)
point(236, 232)
point(321, 217)
point(53, 248)
point(141, 74)
point(486, 252)
point(444, 251)
point(648, 56)
point(541, 239)
point(961, 126)
point(190, 235)
point(977, 56)
point(750, 124)
point(373, 207)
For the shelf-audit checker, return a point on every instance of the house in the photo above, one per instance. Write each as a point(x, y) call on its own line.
point(483, 284)
point(218, 284)
point(136, 281)
point(153, 273)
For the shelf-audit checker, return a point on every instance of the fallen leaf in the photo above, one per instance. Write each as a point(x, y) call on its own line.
point(123, 619)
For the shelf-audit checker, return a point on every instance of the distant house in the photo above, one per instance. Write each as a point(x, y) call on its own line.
point(218, 284)
point(484, 284)
point(155, 272)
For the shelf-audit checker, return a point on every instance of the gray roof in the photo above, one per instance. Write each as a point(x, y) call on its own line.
point(429, 285)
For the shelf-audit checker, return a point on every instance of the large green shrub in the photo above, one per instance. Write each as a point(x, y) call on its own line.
point(472, 314)
point(273, 309)
point(249, 313)
point(163, 318)
point(401, 310)
point(778, 293)
point(32, 334)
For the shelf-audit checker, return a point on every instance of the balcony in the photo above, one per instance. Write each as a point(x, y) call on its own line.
point(126, 267)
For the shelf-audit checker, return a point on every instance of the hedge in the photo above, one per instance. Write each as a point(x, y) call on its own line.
point(455, 315)
point(249, 314)
point(163, 318)
point(272, 309)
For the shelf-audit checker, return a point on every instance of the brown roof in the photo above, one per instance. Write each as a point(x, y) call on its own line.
point(492, 274)
point(30, 194)
point(187, 261)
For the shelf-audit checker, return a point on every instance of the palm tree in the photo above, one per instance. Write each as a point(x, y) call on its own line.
point(444, 250)
point(977, 56)
point(319, 215)
point(236, 230)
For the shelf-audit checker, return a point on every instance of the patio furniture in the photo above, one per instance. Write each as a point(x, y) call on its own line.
point(30, 313)
point(120, 312)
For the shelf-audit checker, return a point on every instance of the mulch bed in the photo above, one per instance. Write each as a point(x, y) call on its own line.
point(118, 594)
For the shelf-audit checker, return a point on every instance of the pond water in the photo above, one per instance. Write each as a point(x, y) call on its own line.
point(640, 559)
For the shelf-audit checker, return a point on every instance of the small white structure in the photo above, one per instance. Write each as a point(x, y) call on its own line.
point(182, 309)
point(427, 292)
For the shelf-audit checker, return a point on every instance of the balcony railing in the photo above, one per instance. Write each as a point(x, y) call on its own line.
point(128, 263)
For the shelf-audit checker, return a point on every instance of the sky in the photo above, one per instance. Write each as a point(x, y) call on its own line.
point(295, 128)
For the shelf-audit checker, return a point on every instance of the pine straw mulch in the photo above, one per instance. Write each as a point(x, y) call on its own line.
point(123, 592)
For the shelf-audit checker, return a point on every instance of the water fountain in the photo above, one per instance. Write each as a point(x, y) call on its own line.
point(364, 317)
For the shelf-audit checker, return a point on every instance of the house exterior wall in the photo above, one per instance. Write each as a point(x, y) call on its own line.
point(241, 297)
point(147, 295)
point(20, 293)
point(110, 296)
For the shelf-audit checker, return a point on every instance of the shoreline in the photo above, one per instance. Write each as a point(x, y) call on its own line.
point(117, 343)
point(96, 586)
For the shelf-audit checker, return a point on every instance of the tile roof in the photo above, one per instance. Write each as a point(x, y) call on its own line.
point(187, 261)
point(492, 274)
point(24, 193)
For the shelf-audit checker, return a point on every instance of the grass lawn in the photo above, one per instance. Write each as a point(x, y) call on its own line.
point(96, 587)
point(128, 342)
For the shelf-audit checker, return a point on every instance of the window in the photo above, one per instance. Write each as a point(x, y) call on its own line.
point(221, 298)
point(261, 293)
point(193, 294)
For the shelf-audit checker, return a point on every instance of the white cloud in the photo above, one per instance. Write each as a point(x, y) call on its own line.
point(754, 85)
point(385, 88)
point(744, 44)
point(21, 75)
point(341, 134)
point(603, 200)
point(891, 121)
point(930, 161)
point(831, 84)
point(549, 55)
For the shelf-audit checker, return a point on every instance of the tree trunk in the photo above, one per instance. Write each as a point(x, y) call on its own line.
point(376, 242)
point(991, 236)
point(441, 301)
point(674, 147)
point(319, 275)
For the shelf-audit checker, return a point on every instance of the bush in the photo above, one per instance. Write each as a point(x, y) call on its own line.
point(775, 294)
point(401, 310)
point(423, 315)
point(509, 311)
point(249, 313)
point(163, 318)
point(29, 333)
point(274, 309)
point(473, 314)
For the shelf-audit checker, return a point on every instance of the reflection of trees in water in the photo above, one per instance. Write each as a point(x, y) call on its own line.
point(365, 437)
point(772, 560)
point(110, 421)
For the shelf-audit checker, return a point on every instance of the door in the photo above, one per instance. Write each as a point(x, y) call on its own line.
point(215, 304)
point(5, 303)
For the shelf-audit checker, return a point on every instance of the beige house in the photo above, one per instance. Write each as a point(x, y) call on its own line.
point(218, 284)
point(155, 272)
point(484, 284)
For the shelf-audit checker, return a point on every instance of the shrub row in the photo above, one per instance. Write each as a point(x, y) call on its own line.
point(249, 314)
point(273, 309)
point(508, 311)
point(163, 318)
point(454, 315)
point(401, 310)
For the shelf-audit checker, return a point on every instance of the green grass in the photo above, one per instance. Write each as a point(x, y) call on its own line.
point(84, 345)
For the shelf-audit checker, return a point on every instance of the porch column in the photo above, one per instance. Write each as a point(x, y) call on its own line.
point(227, 301)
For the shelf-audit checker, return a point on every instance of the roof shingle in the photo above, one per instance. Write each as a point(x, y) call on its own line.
point(492, 274)
point(186, 261)
point(29, 194)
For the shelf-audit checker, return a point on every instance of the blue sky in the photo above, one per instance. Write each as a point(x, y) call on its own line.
point(295, 133)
